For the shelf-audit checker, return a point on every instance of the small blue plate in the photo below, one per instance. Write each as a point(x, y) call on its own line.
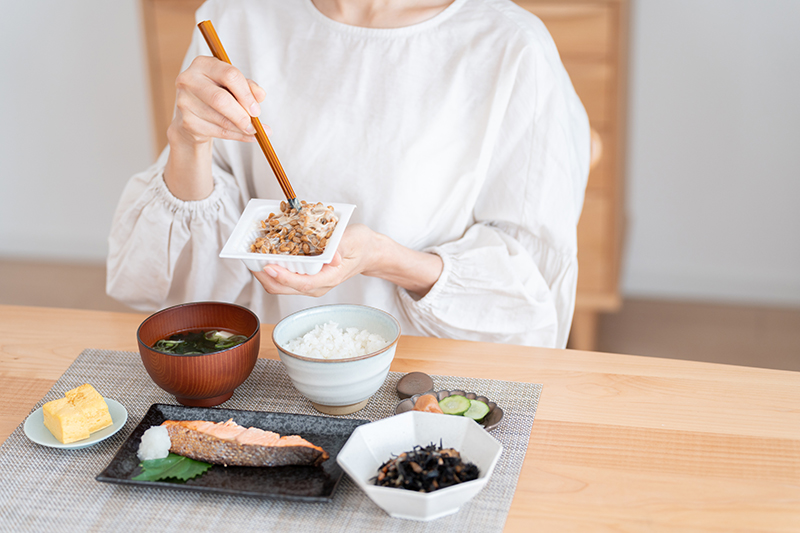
point(36, 431)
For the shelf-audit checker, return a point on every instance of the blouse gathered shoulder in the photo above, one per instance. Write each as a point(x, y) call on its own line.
point(461, 136)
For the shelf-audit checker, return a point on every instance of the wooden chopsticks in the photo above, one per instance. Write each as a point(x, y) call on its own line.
point(210, 35)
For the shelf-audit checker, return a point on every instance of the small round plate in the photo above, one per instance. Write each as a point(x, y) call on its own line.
point(489, 422)
point(35, 430)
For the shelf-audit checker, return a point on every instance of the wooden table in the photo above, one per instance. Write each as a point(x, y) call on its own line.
point(620, 443)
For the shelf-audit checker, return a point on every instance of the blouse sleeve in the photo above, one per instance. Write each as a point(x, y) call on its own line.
point(512, 277)
point(163, 250)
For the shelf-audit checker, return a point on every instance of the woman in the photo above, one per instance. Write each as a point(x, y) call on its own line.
point(451, 125)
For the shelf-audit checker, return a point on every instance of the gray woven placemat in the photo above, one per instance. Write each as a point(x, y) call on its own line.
point(48, 489)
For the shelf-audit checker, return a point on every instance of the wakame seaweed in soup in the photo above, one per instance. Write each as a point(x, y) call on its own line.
point(198, 342)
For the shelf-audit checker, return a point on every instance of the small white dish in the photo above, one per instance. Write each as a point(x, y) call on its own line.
point(36, 431)
point(248, 229)
point(373, 444)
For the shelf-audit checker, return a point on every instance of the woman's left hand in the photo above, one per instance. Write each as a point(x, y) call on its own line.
point(353, 256)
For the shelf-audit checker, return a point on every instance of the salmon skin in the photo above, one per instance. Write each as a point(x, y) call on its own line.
point(229, 444)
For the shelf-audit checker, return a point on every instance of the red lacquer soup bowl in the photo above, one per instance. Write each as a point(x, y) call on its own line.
point(203, 380)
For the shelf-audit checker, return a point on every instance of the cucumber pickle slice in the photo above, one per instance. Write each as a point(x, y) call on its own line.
point(477, 410)
point(454, 405)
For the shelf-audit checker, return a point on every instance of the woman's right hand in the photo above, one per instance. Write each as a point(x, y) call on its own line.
point(213, 100)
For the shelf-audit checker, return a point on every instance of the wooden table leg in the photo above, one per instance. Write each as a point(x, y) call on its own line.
point(583, 335)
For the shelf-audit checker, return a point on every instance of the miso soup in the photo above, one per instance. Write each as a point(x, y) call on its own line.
point(198, 342)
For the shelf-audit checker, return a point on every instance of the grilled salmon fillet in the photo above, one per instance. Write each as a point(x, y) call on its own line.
point(229, 444)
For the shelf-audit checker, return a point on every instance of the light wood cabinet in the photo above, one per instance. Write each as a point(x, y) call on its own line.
point(591, 36)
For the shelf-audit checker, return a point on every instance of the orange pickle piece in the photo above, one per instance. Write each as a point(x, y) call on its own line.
point(428, 403)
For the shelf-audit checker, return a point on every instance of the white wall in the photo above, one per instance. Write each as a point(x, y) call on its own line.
point(714, 151)
point(714, 147)
point(74, 123)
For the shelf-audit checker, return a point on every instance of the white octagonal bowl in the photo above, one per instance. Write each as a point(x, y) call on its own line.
point(248, 229)
point(338, 386)
point(373, 444)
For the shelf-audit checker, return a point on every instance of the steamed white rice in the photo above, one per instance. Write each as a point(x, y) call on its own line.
point(329, 341)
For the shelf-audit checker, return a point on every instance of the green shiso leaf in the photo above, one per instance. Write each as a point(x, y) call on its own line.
point(172, 466)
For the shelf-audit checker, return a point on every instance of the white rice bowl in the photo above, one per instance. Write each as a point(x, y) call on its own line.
point(343, 382)
point(329, 341)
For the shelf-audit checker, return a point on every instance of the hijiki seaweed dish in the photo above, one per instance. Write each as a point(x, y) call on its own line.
point(425, 469)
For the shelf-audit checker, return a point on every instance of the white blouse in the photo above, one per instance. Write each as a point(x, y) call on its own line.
point(461, 135)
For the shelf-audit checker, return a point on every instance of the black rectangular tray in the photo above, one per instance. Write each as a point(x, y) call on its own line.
point(299, 483)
